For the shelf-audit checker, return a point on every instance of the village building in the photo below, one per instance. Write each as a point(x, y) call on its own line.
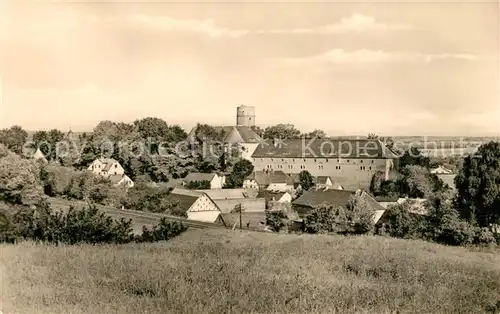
point(216, 181)
point(39, 156)
point(197, 205)
point(229, 199)
point(270, 180)
point(272, 198)
point(241, 135)
point(106, 167)
point(318, 197)
point(352, 163)
point(326, 182)
point(441, 170)
point(121, 180)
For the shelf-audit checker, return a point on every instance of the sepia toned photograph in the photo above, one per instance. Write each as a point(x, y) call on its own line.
point(249, 157)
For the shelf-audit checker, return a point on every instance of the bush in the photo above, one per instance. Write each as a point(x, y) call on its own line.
point(198, 185)
point(399, 222)
point(86, 225)
point(153, 199)
point(163, 231)
point(484, 236)
point(275, 220)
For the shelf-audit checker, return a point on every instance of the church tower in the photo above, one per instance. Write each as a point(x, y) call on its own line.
point(245, 116)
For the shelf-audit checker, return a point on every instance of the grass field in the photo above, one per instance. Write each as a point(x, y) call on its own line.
point(223, 271)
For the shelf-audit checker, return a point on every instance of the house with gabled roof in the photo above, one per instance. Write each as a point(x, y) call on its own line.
point(352, 162)
point(277, 181)
point(106, 167)
point(197, 205)
point(317, 197)
point(39, 156)
point(121, 180)
point(216, 181)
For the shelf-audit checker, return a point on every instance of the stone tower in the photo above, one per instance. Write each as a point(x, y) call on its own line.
point(245, 116)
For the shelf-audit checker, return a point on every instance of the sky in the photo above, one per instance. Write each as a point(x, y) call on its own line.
point(412, 68)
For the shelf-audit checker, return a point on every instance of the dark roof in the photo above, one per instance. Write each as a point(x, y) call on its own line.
point(116, 178)
point(266, 178)
point(198, 176)
point(270, 195)
point(246, 133)
point(323, 148)
point(318, 197)
point(183, 197)
point(322, 179)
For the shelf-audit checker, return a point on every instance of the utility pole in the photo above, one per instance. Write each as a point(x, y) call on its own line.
point(241, 209)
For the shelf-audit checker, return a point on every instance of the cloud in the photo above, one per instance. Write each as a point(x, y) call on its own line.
point(354, 23)
point(372, 56)
point(207, 26)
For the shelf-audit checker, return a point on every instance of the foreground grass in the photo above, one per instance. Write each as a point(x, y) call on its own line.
point(219, 271)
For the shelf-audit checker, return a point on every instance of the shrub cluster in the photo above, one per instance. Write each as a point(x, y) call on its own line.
point(86, 225)
point(441, 224)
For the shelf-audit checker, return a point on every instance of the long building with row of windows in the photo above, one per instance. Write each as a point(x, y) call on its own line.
point(352, 163)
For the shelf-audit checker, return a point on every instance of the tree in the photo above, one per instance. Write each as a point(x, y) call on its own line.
point(242, 169)
point(306, 180)
point(258, 130)
point(205, 132)
point(354, 218)
point(281, 131)
point(198, 185)
point(400, 222)
point(317, 134)
point(19, 180)
point(413, 156)
point(418, 182)
point(478, 186)
point(14, 138)
point(372, 136)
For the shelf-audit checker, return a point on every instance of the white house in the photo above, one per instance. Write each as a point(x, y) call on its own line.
point(441, 170)
point(216, 181)
point(38, 155)
point(121, 179)
point(106, 167)
point(197, 205)
point(276, 181)
point(327, 182)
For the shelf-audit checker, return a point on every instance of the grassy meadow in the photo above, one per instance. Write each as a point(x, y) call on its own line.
point(223, 271)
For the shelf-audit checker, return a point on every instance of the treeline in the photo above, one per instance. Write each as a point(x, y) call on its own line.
point(25, 214)
point(86, 225)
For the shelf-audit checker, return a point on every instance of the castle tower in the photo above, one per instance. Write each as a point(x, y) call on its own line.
point(245, 116)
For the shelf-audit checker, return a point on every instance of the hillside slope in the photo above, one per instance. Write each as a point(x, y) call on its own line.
point(221, 271)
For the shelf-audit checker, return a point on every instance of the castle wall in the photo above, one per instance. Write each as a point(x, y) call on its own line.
point(350, 173)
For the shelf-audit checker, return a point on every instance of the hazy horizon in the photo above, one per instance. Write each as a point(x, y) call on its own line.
point(400, 69)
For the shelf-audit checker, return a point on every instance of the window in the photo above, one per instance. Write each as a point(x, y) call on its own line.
point(293, 160)
point(304, 160)
point(314, 159)
point(370, 167)
point(116, 166)
point(347, 160)
point(282, 159)
point(271, 159)
point(362, 167)
point(361, 161)
point(372, 161)
point(320, 167)
point(327, 160)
